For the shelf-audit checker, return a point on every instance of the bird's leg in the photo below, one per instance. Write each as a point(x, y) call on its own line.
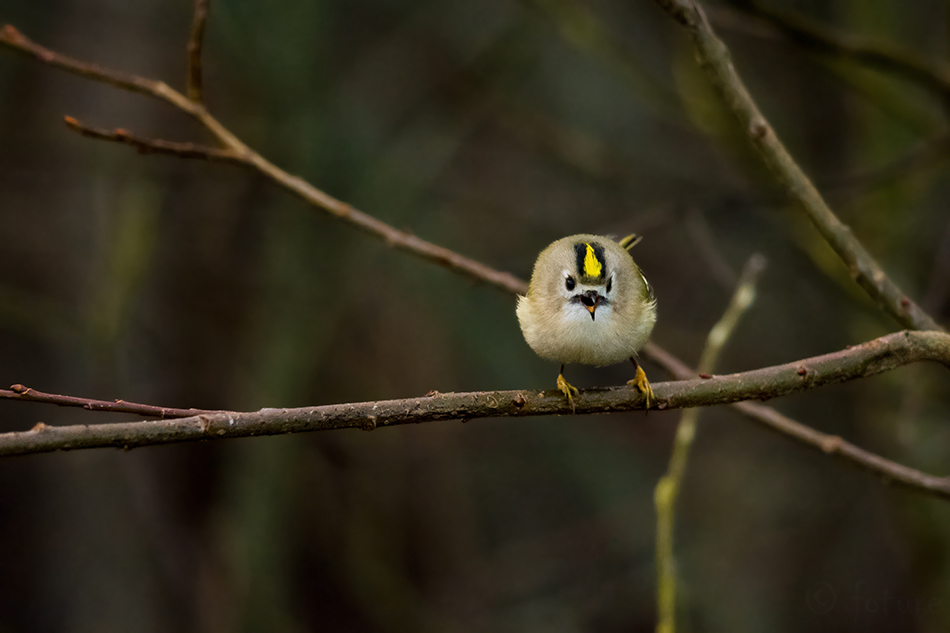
point(567, 389)
point(640, 382)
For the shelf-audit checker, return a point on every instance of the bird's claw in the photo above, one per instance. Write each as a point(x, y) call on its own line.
point(568, 390)
point(640, 382)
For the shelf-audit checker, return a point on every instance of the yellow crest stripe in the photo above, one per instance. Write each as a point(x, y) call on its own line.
point(592, 267)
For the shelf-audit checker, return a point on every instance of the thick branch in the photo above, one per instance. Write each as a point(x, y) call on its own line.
point(860, 361)
point(716, 61)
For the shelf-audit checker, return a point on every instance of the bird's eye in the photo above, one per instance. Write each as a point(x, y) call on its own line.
point(610, 284)
point(569, 283)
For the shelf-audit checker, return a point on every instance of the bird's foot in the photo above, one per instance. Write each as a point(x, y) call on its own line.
point(640, 382)
point(568, 390)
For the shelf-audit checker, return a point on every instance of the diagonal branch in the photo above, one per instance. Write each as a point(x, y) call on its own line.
point(714, 57)
point(401, 240)
point(834, 445)
point(195, 42)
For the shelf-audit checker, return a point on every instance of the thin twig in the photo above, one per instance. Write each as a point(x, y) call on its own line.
point(714, 57)
point(154, 146)
point(23, 393)
point(667, 489)
point(195, 87)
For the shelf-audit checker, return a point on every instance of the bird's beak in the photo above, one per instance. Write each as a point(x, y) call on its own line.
point(591, 299)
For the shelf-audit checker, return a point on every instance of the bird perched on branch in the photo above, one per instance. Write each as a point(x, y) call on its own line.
point(588, 303)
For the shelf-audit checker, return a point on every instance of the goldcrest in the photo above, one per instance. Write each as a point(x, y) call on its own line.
point(588, 303)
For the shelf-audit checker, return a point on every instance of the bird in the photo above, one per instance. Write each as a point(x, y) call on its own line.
point(588, 303)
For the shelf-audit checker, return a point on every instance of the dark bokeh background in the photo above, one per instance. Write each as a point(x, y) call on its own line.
point(491, 128)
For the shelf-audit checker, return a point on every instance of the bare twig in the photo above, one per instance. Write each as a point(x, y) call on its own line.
point(21, 392)
point(668, 488)
point(154, 146)
point(714, 57)
point(195, 42)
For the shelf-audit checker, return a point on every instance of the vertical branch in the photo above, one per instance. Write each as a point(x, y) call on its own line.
point(195, 42)
point(667, 490)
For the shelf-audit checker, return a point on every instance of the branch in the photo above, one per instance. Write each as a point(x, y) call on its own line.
point(195, 43)
point(154, 146)
point(20, 392)
point(868, 359)
point(668, 488)
point(714, 58)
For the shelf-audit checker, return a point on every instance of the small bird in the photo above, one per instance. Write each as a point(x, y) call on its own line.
point(589, 304)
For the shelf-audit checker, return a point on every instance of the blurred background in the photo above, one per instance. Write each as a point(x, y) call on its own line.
point(491, 128)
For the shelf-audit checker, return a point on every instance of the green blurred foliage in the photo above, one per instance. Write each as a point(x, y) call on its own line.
point(490, 128)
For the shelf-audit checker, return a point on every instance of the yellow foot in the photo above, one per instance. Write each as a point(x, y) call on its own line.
point(640, 382)
point(568, 390)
